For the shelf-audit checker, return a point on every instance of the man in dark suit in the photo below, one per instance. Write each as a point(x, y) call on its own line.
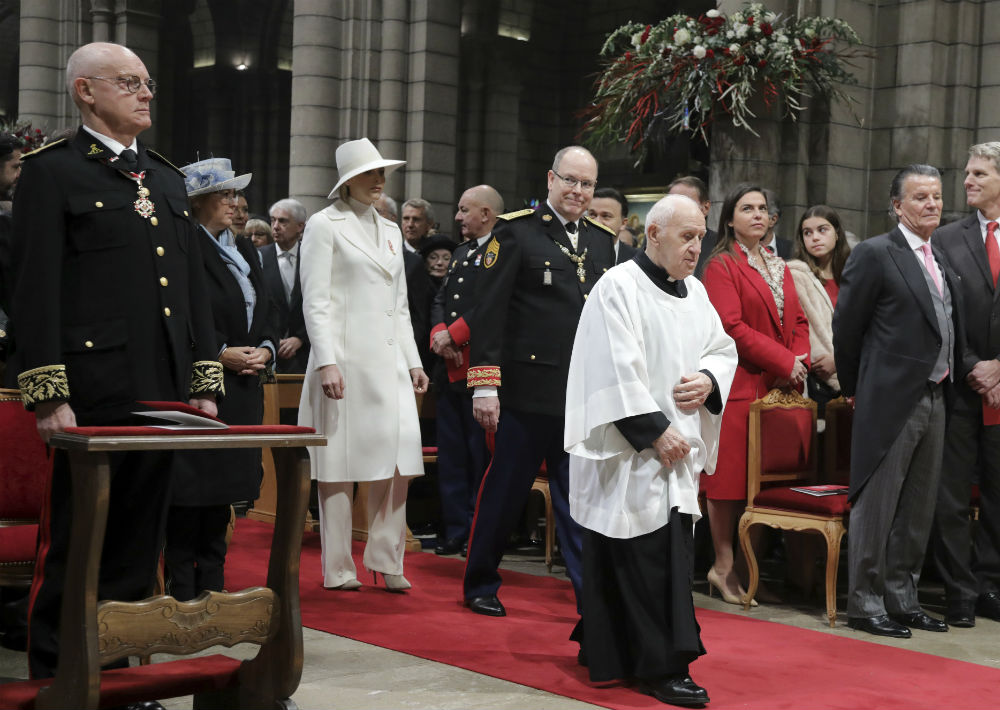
point(111, 308)
point(610, 208)
point(697, 190)
point(462, 452)
point(537, 270)
point(280, 261)
point(967, 558)
point(895, 334)
point(771, 241)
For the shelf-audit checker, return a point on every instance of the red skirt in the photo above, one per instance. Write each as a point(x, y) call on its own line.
point(729, 482)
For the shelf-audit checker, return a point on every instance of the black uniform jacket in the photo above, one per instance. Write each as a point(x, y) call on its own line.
point(291, 322)
point(529, 297)
point(454, 309)
point(230, 475)
point(886, 341)
point(110, 307)
point(961, 244)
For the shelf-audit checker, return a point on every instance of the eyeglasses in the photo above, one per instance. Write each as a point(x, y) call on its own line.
point(573, 182)
point(129, 82)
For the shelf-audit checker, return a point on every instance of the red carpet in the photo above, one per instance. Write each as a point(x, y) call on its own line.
point(792, 668)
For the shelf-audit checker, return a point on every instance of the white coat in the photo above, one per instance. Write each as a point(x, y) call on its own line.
point(818, 307)
point(357, 316)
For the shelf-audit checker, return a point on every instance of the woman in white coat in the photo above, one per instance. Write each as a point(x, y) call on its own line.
point(821, 250)
point(363, 370)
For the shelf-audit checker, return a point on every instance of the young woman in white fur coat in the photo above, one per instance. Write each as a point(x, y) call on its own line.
point(821, 250)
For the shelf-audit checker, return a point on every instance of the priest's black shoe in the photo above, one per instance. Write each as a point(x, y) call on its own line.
point(880, 626)
point(488, 605)
point(919, 620)
point(451, 546)
point(988, 605)
point(675, 690)
point(962, 616)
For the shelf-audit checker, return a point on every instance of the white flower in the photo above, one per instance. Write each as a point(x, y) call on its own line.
point(698, 52)
point(637, 40)
point(681, 37)
point(741, 31)
point(760, 49)
point(781, 38)
point(712, 13)
point(730, 34)
point(734, 48)
point(736, 17)
point(770, 17)
point(809, 32)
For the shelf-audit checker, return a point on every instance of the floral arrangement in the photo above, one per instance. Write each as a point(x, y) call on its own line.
point(29, 138)
point(679, 74)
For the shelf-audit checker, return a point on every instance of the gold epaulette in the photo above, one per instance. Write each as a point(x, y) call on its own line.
point(603, 226)
point(206, 378)
point(165, 161)
point(43, 384)
point(36, 151)
point(483, 376)
point(514, 215)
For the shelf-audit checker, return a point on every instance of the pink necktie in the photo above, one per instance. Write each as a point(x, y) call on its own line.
point(929, 263)
point(992, 251)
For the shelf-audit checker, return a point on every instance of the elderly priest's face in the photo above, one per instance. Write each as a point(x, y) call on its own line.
point(674, 232)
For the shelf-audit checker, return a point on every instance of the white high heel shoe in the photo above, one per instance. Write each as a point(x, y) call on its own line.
point(393, 582)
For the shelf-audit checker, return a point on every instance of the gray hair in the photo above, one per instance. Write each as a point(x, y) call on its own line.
point(663, 211)
point(773, 206)
point(295, 208)
point(987, 151)
point(391, 205)
point(421, 204)
point(896, 186)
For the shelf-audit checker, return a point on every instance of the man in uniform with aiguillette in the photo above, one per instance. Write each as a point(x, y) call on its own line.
point(111, 309)
point(538, 269)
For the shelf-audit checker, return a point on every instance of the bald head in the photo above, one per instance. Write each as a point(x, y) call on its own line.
point(675, 227)
point(98, 76)
point(477, 212)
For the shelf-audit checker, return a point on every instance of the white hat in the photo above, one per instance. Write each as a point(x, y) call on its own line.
point(212, 175)
point(356, 157)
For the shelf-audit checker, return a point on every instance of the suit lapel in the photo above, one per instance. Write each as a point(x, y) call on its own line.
point(555, 229)
point(353, 232)
point(913, 275)
point(972, 235)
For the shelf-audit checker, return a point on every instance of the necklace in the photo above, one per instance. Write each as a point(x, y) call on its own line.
point(576, 259)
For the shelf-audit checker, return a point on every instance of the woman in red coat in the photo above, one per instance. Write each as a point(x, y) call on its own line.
point(753, 292)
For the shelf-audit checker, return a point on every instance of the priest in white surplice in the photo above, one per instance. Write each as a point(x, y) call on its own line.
point(649, 376)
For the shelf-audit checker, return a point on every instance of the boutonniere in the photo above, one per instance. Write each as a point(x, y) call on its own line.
point(391, 247)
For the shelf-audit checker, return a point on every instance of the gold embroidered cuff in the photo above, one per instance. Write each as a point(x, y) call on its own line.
point(484, 376)
point(43, 384)
point(206, 378)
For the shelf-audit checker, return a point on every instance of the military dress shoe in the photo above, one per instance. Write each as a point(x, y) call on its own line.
point(879, 626)
point(919, 620)
point(452, 546)
point(487, 605)
point(988, 605)
point(961, 615)
point(675, 690)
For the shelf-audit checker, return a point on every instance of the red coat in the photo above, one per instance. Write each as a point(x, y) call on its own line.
point(767, 347)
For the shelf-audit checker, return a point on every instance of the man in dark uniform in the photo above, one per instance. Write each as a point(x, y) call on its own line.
point(111, 308)
point(462, 452)
point(537, 270)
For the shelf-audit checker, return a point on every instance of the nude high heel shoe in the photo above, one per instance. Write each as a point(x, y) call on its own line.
point(715, 583)
point(393, 582)
point(348, 586)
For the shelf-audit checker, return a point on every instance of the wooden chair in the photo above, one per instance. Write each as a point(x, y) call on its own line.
point(541, 485)
point(25, 467)
point(95, 633)
point(782, 454)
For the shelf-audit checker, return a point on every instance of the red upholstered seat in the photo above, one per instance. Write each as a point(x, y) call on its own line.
point(171, 679)
point(25, 467)
point(781, 454)
point(787, 499)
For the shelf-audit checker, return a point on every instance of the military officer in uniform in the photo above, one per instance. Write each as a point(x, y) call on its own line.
point(538, 268)
point(462, 452)
point(111, 308)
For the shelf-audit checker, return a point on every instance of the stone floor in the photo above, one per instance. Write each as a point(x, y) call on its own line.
point(342, 673)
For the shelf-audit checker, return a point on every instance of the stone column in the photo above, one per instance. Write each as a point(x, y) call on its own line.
point(49, 33)
point(137, 26)
point(102, 20)
point(393, 90)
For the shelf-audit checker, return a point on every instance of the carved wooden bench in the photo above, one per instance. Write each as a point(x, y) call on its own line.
point(95, 633)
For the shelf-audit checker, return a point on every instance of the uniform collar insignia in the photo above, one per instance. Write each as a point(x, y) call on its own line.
point(546, 218)
point(94, 150)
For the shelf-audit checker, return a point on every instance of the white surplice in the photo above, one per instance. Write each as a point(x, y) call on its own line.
point(633, 344)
